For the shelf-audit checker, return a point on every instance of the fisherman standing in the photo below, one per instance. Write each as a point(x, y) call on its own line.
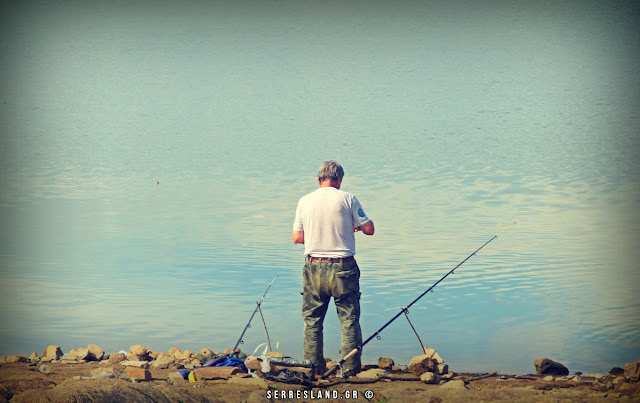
point(326, 221)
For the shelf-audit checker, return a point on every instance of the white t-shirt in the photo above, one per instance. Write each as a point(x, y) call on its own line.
point(327, 217)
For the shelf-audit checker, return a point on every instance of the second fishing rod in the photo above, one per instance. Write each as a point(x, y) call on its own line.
point(233, 351)
point(406, 309)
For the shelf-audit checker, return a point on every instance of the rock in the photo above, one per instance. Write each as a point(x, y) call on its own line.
point(430, 378)
point(45, 369)
point(138, 374)
point(137, 357)
point(546, 366)
point(455, 385)
point(253, 363)
point(175, 378)
point(616, 371)
point(79, 354)
point(136, 364)
point(548, 378)
point(385, 362)
point(632, 371)
point(34, 357)
point(441, 369)
point(373, 373)
point(421, 364)
point(204, 351)
point(139, 349)
point(163, 361)
point(202, 373)
point(14, 358)
point(173, 351)
point(186, 355)
point(116, 358)
point(431, 353)
point(95, 352)
point(275, 354)
point(52, 353)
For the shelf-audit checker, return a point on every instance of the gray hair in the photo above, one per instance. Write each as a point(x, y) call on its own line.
point(330, 170)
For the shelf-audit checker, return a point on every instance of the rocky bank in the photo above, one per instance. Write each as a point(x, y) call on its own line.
point(88, 374)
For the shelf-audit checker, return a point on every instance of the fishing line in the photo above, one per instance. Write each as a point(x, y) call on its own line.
point(404, 310)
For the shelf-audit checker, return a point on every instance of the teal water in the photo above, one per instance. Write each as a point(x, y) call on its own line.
point(153, 156)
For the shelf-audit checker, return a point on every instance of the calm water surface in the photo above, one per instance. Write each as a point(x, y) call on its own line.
point(451, 121)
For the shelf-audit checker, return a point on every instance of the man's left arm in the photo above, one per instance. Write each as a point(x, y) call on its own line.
point(367, 228)
point(359, 216)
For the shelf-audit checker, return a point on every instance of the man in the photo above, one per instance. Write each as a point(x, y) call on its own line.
point(325, 223)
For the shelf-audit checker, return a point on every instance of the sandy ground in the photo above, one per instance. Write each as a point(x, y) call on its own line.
point(20, 382)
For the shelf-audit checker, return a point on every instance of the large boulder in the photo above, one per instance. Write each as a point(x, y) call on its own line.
point(138, 352)
point(632, 371)
point(96, 353)
point(52, 353)
point(14, 358)
point(545, 366)
point(79, 354)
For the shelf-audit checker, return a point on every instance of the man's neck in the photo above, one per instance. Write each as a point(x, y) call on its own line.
point(330, 183)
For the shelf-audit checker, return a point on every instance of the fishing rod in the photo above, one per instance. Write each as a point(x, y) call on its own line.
point(233, 352)
point(405, 309)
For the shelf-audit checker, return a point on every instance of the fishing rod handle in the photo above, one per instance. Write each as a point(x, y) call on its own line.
point(330, 371)
point(335, 367)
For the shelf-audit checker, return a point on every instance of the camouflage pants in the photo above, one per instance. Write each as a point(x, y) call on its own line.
point(321, 281)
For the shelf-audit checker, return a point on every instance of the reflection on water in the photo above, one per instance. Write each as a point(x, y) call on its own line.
point(442, 149)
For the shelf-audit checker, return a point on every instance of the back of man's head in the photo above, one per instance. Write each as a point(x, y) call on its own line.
point(330, 170)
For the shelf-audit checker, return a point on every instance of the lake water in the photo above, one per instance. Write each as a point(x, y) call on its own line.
point(153, 157)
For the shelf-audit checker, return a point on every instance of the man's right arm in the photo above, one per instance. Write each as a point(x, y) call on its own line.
point(297, 236)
